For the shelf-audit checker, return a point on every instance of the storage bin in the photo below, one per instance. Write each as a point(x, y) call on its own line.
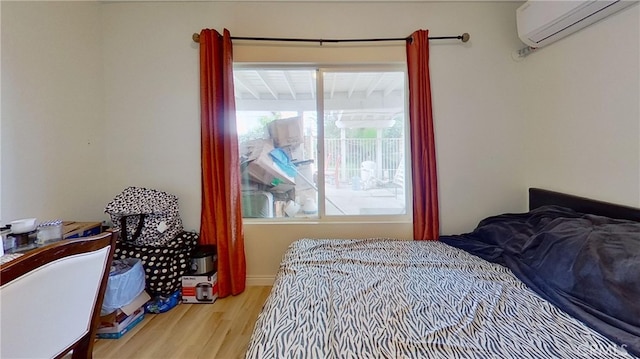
point(126, 282)
point(257, 204)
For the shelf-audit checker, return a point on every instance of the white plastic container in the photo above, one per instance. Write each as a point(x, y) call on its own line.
point(292, 209)
point(49, 232)
point(3, 234)
point(20, 226)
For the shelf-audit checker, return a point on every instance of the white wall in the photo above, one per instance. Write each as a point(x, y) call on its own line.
point(151, 91)
point(100, 96)
point(53, 163)
point(583, 113)
point(151, 75)
point(0, 117)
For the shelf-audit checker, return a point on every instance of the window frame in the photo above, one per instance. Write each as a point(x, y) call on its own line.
point(321, 217)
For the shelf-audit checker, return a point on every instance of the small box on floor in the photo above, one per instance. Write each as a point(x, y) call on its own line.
point(200, 288)
point(120, 325)
point(116, 324)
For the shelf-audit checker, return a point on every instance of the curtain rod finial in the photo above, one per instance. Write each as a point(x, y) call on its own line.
point(465, 37)
point(196, 37)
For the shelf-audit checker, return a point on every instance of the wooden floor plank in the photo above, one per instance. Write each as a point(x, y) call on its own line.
point(218, 330)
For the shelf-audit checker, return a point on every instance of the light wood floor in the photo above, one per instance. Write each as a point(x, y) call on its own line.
point(218, 330)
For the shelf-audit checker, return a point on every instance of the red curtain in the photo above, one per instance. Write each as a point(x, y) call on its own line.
point(221, 219)
point(423, 147)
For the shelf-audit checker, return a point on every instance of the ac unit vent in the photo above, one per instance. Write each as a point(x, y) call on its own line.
point(543, 22)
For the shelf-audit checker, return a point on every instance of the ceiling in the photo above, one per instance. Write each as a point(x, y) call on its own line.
point(352, 96)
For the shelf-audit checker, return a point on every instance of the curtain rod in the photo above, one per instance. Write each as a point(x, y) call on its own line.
point(464, 38)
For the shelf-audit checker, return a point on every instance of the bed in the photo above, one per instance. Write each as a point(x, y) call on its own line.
point(559, 281)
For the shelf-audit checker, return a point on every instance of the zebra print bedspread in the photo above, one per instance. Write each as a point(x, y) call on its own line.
point(382, 298)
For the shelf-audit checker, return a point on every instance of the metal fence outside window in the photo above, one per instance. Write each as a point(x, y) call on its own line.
point(355, 158)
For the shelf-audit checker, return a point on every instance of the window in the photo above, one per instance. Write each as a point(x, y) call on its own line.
point(321, 142)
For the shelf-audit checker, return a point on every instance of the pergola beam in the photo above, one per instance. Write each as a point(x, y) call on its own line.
point(238, 80)
point(267, 84)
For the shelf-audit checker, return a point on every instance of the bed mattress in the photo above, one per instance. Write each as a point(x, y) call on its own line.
point(385, 298)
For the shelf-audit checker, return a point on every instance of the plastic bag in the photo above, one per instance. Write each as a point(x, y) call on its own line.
point(126, 282)
point(162, 304)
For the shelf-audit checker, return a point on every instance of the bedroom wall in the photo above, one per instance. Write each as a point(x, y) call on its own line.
point(109, 98)
point(583, 113)
point(152, 108)
point(99, 96)
point(52, 143)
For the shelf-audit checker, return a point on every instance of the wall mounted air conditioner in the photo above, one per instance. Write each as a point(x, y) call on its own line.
point(541, 22)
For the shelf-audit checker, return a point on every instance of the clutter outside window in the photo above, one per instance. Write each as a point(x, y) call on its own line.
point(316, 143)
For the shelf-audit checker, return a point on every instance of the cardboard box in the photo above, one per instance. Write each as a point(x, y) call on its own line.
point(120, 314)
point(72, 229)
point(286, 131)
point(264, 170)
point(116, 324)
point(116, 330)
point(200, 289)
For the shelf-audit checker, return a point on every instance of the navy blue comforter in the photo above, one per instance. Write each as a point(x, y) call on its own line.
point(587, 265)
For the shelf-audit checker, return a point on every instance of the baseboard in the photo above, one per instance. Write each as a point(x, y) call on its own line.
point(260, 280)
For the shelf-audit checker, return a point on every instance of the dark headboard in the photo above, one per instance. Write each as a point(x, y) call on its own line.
point(541, 197)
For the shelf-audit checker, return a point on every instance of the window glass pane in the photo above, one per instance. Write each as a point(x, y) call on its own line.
point(277, 124)
point(356, 123)
point(364, 142)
